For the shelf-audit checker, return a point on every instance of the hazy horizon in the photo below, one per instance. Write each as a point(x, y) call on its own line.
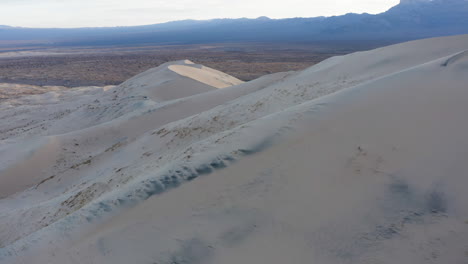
point(106, 13)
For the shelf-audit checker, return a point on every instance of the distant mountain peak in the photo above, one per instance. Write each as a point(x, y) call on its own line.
point(413, 1)
point(411, 19)
point(428, 1)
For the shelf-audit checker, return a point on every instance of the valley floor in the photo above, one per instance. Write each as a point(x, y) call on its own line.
point(99, 66)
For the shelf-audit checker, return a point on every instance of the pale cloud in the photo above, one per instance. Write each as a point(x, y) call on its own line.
point(78, 13)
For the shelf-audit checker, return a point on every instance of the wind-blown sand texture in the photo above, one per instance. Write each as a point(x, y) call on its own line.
point(359, 159)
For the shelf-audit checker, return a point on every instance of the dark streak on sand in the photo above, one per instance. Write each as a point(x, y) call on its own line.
point(45, 180)
point(403, 205)
point(173, 179)
point(409, 206)
point(194, 251)
point(261, 146)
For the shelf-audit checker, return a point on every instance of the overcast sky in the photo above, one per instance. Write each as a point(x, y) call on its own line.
point(92, 13)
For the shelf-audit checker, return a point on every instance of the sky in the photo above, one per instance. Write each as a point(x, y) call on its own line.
point(98, 13)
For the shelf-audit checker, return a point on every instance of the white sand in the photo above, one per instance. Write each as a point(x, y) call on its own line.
point(359, 159)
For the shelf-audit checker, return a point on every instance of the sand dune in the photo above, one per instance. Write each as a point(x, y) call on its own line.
point(359, 159)
point(178, 79)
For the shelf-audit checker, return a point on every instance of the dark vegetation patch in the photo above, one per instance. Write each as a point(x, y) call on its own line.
point(45, 180)
point(76, 166)
point(114, 147)
point(81, 199)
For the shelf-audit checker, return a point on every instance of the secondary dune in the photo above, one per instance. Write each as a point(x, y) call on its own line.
point(178, 79)
point(359, 159)
point(206, 75)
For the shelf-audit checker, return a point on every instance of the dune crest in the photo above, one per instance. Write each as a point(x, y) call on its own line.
point(359, 159)
point(164, 83)
point(205, 75)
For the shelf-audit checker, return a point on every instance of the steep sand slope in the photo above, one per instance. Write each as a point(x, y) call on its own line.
point(374, 173)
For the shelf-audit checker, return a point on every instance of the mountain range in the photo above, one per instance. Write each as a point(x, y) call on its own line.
point(410, 19)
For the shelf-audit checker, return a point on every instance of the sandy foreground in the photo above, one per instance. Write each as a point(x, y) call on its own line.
point(359, 159)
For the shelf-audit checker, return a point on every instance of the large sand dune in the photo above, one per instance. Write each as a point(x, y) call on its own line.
point(359, 159)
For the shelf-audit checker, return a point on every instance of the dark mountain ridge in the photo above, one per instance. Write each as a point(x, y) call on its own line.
point(411, 19)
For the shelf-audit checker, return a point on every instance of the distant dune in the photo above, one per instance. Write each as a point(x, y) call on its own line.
point(358, 159)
